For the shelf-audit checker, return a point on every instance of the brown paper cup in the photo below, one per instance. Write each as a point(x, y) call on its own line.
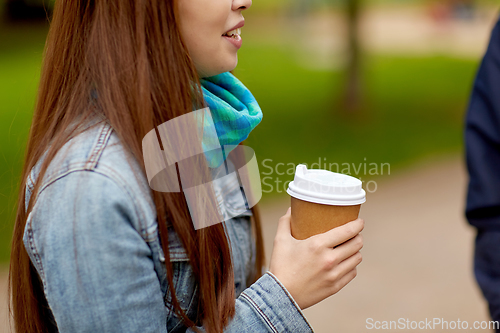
point(309, 218)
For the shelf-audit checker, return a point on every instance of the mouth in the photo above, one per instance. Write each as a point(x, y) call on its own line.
point(235, 33)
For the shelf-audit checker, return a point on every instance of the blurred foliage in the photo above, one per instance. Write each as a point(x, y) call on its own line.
point(279, 6)
point(20, 60)
point(414, 109)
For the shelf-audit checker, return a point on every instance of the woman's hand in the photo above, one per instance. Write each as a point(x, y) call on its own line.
point(319, 266)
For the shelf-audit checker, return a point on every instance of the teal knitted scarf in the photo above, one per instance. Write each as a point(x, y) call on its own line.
point(235, 113)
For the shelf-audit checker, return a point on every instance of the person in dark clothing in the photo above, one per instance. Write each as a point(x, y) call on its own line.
point(482, 140)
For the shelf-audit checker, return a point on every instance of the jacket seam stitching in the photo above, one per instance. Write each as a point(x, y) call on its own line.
point(30, 182)
point(263, 315)
point(292, 300)
point(187, 308)
point(35, 252)
point(120, 182)
point(97, 149)
point(117, 183)
point(172, 308)
point(71, 168)
point(105, 131)
point(192, 298)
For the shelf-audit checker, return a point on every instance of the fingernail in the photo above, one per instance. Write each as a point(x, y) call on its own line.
point(289, 209)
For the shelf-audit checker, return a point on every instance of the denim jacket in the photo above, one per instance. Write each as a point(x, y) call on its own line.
point(92, 236)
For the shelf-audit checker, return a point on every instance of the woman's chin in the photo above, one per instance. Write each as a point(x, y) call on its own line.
point(230, 62)
point(233, 65)
point(216, 72)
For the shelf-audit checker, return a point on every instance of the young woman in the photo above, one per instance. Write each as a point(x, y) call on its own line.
point(95, 249)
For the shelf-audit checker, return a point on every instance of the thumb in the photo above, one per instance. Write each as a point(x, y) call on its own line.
point(284, 223)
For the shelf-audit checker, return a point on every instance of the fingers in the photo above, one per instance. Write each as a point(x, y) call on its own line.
point(345, 268)
point(341, 234)
point(349, 263)
point(349, 248)
point(348, 277)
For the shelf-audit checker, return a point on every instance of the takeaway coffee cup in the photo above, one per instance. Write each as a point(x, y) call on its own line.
point(322, 200)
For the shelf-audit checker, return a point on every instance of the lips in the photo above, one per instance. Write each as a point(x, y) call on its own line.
point(235, 40)
point(233, 35)
point(236, 27)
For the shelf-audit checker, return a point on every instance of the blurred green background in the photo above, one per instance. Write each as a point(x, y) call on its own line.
point(412, 63)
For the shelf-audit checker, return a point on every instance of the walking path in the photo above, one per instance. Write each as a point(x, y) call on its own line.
point(417, 256)
point(4, 322)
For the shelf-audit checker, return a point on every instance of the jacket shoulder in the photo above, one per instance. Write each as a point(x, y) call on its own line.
point(94, 152)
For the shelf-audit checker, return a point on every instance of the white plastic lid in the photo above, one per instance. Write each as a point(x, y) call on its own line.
point(326, 187)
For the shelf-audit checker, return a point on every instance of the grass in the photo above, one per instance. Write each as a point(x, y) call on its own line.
point(413, 108)
point(20, 58)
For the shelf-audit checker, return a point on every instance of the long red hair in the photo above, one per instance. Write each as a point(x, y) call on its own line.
point(132, 54)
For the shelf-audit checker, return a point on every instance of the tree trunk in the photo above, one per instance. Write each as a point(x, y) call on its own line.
point(352, 97)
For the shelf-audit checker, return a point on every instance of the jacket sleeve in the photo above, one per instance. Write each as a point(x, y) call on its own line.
point(482, 138)
point(482, 141)
point(270, 308)
point(266, 306)
point(97, 270)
